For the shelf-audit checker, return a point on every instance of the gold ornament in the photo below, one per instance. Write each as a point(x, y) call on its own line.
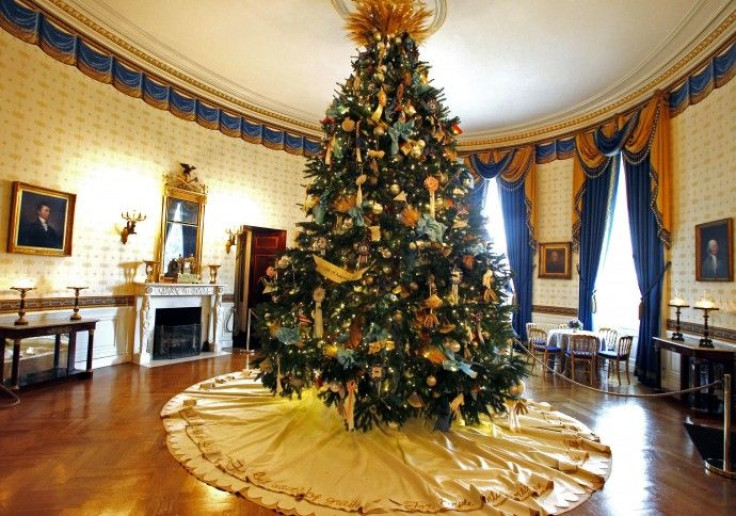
point(415, 401)
point(410, 217)
point(518, 389)
point(348, 125)
point(394, 189)
point(431, 381)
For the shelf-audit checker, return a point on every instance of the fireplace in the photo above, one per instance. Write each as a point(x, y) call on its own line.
point(151, 298)
point(177, 333)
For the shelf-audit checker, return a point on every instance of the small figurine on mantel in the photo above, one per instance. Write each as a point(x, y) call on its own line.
point(187, 270)
point(172, 268)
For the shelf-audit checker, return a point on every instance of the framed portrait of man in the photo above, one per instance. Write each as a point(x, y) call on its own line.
point(41, 221)
point(555, 260)
point(714, 251)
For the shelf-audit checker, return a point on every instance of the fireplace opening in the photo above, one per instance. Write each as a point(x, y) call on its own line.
point(177, 333)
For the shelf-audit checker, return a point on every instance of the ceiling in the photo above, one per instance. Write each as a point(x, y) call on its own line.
point(511, 69)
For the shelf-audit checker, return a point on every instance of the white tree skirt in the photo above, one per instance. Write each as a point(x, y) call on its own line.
point(296, 457)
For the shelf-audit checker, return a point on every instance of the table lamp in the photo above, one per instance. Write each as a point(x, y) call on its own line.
point(679, 303)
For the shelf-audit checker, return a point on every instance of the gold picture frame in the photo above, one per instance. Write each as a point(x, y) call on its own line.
point(714, 251)
point(41, 220)
point(555, 260)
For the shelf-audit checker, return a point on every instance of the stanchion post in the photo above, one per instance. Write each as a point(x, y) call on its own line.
point(723, 466)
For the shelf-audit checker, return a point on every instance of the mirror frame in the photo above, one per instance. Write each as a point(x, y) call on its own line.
point(171, 192)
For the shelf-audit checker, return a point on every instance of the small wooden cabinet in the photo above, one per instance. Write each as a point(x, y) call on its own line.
point(40, 329)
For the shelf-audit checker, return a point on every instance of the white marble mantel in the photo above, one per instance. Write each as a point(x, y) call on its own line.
point(151, 296)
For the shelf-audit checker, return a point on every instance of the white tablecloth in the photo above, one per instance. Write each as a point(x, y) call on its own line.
point(561, 337)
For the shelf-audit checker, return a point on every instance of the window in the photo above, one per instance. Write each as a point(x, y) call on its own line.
point(494, 218)
point(617, 291)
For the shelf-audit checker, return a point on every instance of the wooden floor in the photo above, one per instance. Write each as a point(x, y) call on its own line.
point(98, 447)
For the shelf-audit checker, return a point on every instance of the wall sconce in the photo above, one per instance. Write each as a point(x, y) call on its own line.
point(232, 238)
point(130, 218)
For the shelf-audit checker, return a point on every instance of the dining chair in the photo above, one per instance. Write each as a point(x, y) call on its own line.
point(619, 354)
point(609, 338)
point(583, 349)
point(539, 346)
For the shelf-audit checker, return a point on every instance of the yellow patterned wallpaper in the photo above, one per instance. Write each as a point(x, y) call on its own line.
point(65, 131)
point(554, 224)
point(704, 162)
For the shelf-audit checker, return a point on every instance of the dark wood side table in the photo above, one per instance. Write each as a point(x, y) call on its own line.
point(689, 350)
point(41, 329)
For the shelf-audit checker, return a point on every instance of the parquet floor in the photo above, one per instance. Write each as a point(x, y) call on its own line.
point(98, 447)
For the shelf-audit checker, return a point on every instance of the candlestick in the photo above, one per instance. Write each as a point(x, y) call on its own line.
point(679, 303)
point(75, 316)
point(22, 309)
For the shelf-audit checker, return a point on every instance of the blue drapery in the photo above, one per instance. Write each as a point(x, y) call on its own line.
point(41, 29)
point(516, 223)
point(649, 263)
point(516, 209)
point(595, 222)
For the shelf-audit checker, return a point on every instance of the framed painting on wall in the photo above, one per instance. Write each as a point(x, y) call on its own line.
point(41, 221)
point(555, 260)
point(714, 251)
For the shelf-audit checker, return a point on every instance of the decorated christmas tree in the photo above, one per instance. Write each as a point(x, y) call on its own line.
point(392, 305)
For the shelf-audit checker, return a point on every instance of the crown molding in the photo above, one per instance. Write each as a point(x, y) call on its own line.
point(212, 87)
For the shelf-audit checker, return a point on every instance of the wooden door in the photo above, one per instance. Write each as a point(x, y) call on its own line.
point(260, 247)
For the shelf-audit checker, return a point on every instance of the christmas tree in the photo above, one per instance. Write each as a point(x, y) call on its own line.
point(392, 303)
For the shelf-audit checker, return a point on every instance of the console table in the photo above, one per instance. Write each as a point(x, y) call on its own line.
point(41, 329)
point(688, 350)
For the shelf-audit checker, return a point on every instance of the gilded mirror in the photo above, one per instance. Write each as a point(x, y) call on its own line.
point(182, 224)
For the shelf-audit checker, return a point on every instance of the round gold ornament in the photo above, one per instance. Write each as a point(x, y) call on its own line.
point(394, 189)
point(431, 381)
point(518, 389)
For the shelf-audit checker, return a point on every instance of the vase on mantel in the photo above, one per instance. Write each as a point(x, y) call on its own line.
point(213, 273)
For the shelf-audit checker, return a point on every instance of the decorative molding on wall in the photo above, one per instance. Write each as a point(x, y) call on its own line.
point(555, 310)
point(60, 303)
point(271, 126)
point(715, 332)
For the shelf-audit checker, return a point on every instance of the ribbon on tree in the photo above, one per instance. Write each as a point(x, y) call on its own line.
point(400, 130)
point(279, 388)
point(431, 184)
point(431, 228)
point(455, 405)
point(456, 277)
point(453, 365)
point(382, 99)
point(358, 155)
point(334, 273)
point(352, 387)
point(360, 181)
point(488, 294)
point(515, 409)
point(318, 295)
point(477, 319)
